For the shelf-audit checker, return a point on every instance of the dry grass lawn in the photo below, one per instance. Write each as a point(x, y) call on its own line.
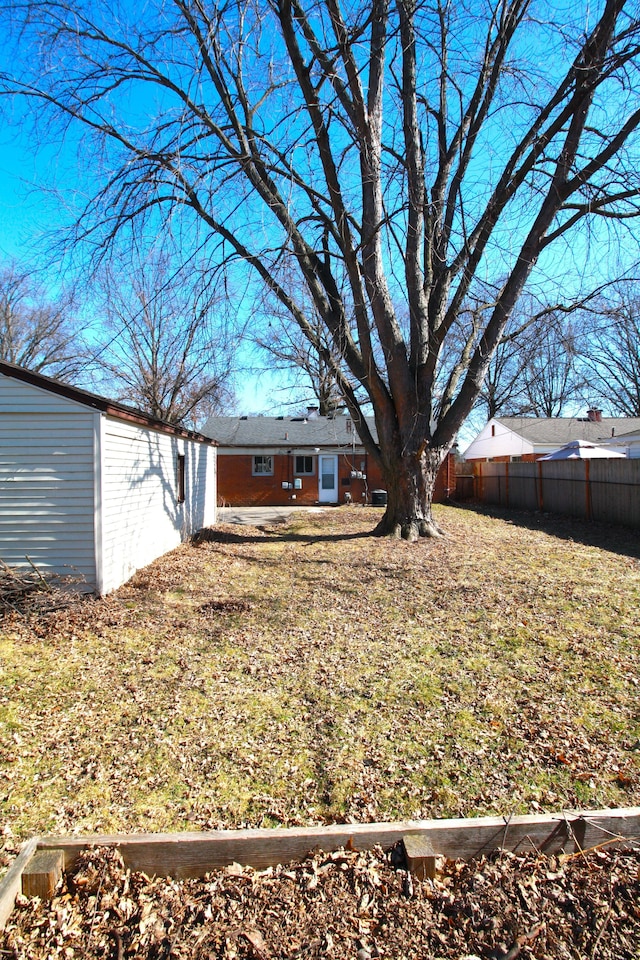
point(311, 673)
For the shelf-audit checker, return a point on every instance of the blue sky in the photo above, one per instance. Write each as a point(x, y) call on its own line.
point(23, 217)
point(32, 214)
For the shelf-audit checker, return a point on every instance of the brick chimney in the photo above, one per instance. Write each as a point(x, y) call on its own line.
point(595, 416)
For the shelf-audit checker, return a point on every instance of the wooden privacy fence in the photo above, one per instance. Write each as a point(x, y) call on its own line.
point(605, 490)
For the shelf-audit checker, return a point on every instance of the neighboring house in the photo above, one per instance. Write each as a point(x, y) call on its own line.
point(303, 460)
point(529, 438)
point(627, 443)
point(92, 488)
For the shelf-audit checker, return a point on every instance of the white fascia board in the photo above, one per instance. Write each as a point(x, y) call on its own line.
point(283, 451)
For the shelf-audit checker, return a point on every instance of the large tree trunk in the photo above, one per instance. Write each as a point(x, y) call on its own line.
point(410, 480)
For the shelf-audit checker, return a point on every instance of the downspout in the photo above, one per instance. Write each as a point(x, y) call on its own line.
point(290, 475)
point(587, 480)
point(540, 494)
point(98, 526)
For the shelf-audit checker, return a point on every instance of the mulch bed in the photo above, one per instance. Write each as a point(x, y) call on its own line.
point(346, 904)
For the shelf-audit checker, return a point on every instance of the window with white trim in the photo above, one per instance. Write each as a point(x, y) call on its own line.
point(263, 466)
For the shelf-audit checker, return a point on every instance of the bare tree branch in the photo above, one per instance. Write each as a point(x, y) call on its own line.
point(400, 158)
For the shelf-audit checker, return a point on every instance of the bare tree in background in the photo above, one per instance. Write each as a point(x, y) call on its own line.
point(38, 331)
point(612, 350)
point(290, 350)
point(503, 388)
point(163, 345)
point(537, 368)
point(307, 357)
point(385, 152)
point(552, 375)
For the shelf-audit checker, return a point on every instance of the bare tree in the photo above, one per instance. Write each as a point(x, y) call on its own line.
point(536, 371)
point(38, 331)
point(163, 345)
point(504, 388)
point(538, 367)
point(552, 375)
point(308, 357)
point(612, 350)
point(391, 151)
point(289, 349)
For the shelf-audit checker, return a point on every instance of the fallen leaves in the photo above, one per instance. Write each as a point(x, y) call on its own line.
point(343, 905)
point(310, 673)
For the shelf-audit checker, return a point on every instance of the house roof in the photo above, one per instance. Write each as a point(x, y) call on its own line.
point(561, 430)
point(312, 431)
point(627, 436)
point(110, 407)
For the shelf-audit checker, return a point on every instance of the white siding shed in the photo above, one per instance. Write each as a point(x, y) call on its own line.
point(91, 488)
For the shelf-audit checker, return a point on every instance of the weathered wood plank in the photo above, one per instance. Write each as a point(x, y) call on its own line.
point(549, 833)
point(41, 874)
point(422, 859)
point(182, 855)
point(193, 854)
point(11, 884)
point(560, 486)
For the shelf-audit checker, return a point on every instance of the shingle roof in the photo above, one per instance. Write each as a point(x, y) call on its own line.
point(561, 430)
point(628, 435)
point(277, 431)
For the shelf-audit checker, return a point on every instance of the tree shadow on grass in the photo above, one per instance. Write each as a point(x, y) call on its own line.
point(271, 534)
point(624, 541)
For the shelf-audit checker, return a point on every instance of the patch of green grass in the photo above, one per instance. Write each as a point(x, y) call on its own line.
point(311, 673)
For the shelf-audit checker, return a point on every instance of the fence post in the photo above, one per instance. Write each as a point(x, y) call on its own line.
point(540, 496)
point(587, 480)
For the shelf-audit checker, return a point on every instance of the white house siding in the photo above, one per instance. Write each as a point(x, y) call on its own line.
point(201, 486)
point(140, 515)
point(628, 443)
point(46, 481)
point(496, 440)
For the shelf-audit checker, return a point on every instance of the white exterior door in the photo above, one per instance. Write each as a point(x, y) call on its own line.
point(327, 479)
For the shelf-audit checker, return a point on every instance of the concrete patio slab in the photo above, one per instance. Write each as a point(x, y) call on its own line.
point(259, 516)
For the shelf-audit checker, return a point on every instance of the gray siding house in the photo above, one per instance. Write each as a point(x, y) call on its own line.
point(92, 488)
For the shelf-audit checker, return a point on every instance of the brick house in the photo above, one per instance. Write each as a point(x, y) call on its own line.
point(305, 460)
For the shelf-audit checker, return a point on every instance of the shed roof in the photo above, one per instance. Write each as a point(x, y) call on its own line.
point(110, 407)
point(313, 431)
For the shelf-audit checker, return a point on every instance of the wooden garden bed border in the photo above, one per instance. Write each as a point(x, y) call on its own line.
point(182, 855)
